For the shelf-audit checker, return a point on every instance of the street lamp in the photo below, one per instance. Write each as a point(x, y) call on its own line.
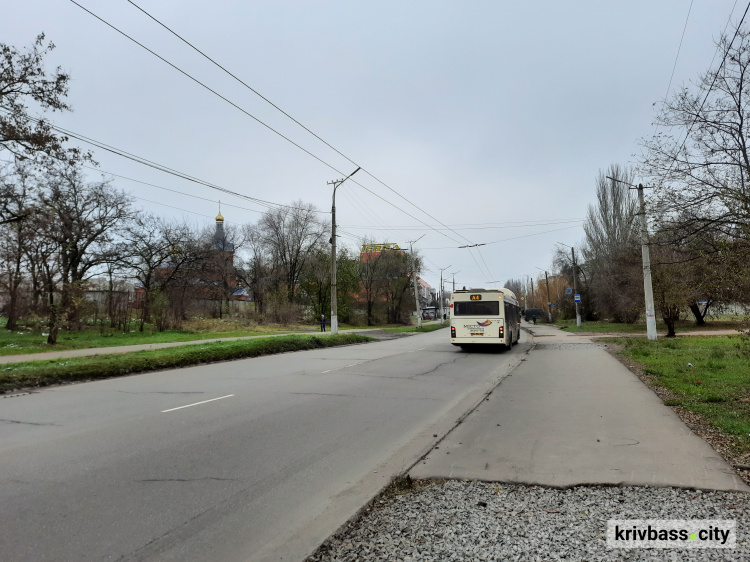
point(334, 311)
point(575, 285)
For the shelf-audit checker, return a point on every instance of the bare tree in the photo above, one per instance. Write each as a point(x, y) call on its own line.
point(150, 249)
point(82, 218)
point(291, 234)
point(17, 184)
point(700, 160)
point(255, 270)
point(371, 273)
point(23, 79)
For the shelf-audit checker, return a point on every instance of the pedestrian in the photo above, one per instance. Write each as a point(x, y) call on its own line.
point(322, 322)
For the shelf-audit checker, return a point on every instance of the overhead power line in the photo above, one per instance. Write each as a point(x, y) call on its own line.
point(253, 90)
point(186, 74)
point(512, 238)
point(679, 48)
point(708, 92)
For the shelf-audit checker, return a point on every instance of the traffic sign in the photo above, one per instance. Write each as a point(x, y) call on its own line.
point(569, 291)
point(578, 298)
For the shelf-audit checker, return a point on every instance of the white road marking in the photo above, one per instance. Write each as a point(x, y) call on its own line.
point(328, 371)
point(197, 403)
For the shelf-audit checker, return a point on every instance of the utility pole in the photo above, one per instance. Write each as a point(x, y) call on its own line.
point(414, 277)
point(533, 298)
point(454, 280)
point(646, 257)
point(334, 308)
point(575, 287)
point(575, 282)
point(647, 289)
point(441, 293)
point(549, 302)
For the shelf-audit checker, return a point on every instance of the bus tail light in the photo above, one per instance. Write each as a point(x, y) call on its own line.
point(453, 331)
point(502, 334)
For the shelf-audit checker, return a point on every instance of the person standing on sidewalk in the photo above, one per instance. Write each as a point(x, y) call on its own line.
point(322, 322)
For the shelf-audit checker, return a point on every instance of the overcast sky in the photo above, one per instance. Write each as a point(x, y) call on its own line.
point(493, 117)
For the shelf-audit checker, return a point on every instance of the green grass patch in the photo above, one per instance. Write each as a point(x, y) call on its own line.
point(24, 341)
point(54, 371)
point(425, 328)
point(709, 376)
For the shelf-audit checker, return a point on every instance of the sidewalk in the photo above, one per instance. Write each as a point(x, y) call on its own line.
point(571, 414)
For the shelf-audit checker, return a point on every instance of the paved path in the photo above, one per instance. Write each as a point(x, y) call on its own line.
point(571, 414)
point(379, 334)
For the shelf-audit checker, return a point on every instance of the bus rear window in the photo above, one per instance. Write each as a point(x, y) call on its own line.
point(476, 308)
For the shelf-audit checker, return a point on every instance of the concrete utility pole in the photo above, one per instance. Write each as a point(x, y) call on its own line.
point(442, 313)
point(575, 282)
point(414, 276)
point(647, 289)
point(334, 308)
point(549, 302)
point(454, 280)
point(575, 287)
point(533, 298)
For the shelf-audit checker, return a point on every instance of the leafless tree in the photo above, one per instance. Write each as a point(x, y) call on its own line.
point(17, 186)
point(372, 275)
point(24, 80)
point(291, 234)
point(151, 250)
point(81, 221)
point(700, 160)
point(254, 270)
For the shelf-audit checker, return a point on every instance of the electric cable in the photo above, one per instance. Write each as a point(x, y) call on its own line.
point(186, 74)
point(280, 110)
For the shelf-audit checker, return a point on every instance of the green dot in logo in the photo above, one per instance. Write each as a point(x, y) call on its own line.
point(693, 536)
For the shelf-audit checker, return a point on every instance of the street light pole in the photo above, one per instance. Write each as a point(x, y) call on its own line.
point(414, 276)
point(647, 289)
point(334, 309)
point(441, 293)
point(646, 257)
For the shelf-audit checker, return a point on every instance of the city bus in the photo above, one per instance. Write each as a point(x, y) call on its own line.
point(485, 316)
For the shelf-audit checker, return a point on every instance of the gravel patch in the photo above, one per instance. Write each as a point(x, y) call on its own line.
point(469, 520)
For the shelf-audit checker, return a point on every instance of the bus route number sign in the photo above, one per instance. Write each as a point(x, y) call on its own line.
point(476, 297)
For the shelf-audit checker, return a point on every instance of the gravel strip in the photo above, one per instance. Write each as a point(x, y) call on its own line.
point(469, 520)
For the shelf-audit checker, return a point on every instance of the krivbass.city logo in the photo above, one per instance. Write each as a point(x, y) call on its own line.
point(671, 533)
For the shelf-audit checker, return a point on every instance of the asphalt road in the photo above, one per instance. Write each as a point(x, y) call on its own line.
point(259, 459)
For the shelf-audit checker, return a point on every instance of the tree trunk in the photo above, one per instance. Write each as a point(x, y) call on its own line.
point(54, 322)
point(700, 318)
point(670, 317)
point(12, 311)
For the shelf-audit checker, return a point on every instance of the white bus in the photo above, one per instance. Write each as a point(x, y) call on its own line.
point(485, 316)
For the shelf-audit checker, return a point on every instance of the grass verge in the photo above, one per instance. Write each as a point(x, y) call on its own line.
point(55, 371)
point(707, 377)
point(22, 341)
